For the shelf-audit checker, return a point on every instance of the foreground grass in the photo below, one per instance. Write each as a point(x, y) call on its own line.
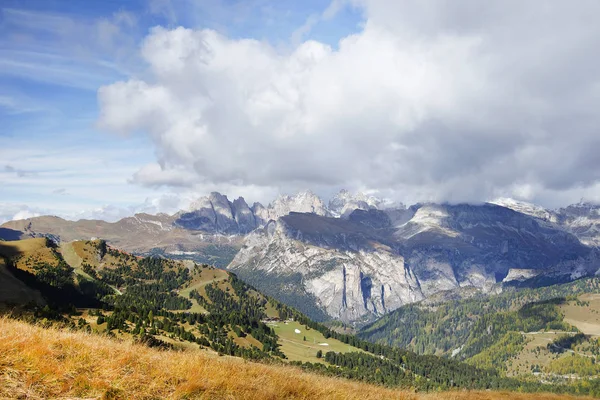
point(48, 363)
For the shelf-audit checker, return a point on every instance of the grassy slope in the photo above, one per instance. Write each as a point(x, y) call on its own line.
point(48, 363)
point(12, 290)
point(296, 349)
point(586, 317)
point(28, 252)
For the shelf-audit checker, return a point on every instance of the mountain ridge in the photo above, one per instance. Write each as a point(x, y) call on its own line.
point(357, 257)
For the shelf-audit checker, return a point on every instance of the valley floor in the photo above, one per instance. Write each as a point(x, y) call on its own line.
point(38, 363)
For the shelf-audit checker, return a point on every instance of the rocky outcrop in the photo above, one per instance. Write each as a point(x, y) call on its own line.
point(244, 218)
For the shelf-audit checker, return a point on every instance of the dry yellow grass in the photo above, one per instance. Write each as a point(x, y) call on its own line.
point(28, 252)
point(585, 317)
point(48, 363)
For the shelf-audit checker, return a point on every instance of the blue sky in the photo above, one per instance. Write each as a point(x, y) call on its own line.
point(113, 107)
point(55, 54)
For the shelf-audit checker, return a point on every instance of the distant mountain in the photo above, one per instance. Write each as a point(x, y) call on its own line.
point(139, 234)
point(216, 214)
point(356, 257)
point(581, 219)
point(343, 203)
point(360, 267)
point(211, 231)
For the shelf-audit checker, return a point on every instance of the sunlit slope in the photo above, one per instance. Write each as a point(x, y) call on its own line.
point(302, 344)
point(48, 363)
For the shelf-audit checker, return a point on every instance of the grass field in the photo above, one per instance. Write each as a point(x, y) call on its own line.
point(38, 363)
point(296, 349)
point(271, 311)
point(534, 353)
point(28, 252)
point(586, 317)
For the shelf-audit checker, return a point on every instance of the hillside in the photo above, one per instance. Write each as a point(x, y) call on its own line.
point(181, 305)
point(170, 304)
point(14, 291)
point(530, 333)
point(140, 234)
point(166, 302)
point(49, 363)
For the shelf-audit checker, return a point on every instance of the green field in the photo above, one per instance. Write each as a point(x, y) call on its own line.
point(297, 349)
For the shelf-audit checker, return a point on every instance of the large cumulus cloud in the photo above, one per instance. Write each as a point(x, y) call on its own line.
point(429, 100)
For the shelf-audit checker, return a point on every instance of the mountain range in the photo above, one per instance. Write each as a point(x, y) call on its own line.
point(357, 257)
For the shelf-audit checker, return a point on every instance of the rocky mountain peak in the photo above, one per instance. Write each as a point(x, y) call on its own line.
point(344, 203)
point(526, 208)
point(305, 202)
point(243, 215)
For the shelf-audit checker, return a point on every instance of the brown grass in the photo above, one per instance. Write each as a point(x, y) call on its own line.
point(27, 252)
point(48, 363)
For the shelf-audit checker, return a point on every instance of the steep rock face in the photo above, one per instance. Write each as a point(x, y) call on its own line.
point(347, 277)
point(216, 214)
point(224, 217)
point(261, 214)
point(202, 218)
point(244, 217)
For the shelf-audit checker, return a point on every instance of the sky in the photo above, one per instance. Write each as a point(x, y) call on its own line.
point(113, 107)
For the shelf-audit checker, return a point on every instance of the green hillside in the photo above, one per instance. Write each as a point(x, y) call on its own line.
point(514, 333)
point(174, 304)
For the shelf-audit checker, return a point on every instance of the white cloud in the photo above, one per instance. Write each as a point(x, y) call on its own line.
point(12, 211)
point(428, 102)
point(155, 175)
point(25, 214)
